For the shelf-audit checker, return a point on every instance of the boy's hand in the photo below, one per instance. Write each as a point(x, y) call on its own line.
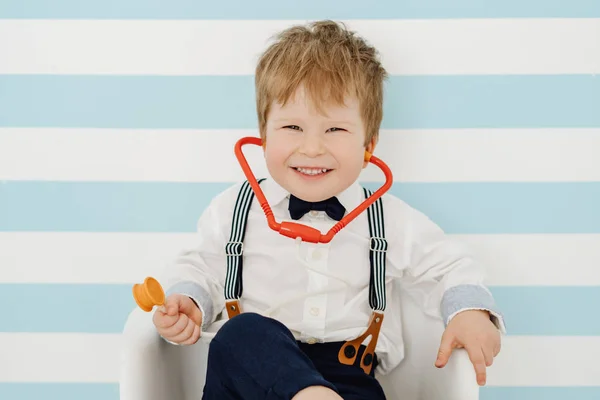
point(179, 320)
point(473, 330)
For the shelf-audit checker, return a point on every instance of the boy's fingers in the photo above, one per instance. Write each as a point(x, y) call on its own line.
point(189, 308)
point(195, 336)
point(164, 321)
point(444, 351)
point(488, 356)
point(186, 333)
point(497, 348)
point(176, 328)
point(478, 360)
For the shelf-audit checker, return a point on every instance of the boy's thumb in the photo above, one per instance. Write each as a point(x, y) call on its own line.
point(171, 306)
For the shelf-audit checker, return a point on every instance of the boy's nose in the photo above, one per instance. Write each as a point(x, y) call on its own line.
point(312, 145)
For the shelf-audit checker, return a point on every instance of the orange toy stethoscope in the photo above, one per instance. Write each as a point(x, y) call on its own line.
point(150, 293)
point(296, 230)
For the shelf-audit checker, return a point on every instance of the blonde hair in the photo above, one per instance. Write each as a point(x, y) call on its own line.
point(331, 62)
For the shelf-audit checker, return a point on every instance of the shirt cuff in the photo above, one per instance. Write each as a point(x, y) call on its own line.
point(200, 296)
point(471, 297)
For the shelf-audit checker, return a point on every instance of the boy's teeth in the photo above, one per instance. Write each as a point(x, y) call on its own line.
point(312, 171)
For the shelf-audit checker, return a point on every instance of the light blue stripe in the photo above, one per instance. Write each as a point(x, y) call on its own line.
point(59, 391)
point(549, 310)
point(540, 393)
point(108, 391)
point(466, 208)
point(164, 102)
point(103, 308)
point(306, 9)
point(87, 308)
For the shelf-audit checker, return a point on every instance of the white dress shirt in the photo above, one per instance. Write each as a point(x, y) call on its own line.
point(320, 291)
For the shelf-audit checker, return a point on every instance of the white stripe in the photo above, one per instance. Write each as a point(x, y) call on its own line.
point(471, 46)
point(523, 260)
point(207, 155)
point(523, 361)
point(546, 361)
point(25, 257)
point(59, 357)
point(39, 257)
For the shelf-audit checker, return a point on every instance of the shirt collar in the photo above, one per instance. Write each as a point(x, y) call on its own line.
point(276, 194)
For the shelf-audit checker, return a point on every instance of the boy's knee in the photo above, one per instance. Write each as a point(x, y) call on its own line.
point(249, 327)
point(243, 321)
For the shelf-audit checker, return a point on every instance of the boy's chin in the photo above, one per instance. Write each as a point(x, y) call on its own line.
point(312, 192)
point(312, 197)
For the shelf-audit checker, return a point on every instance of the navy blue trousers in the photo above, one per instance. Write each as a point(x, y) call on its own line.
point(257, 358)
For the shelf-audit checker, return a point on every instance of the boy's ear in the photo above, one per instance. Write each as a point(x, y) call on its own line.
point(370, 148)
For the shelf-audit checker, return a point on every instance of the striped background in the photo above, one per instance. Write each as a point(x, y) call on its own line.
point(117, 120)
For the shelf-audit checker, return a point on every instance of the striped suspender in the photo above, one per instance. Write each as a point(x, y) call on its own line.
point(377, 257)
point(377, 254)
point(235, 249)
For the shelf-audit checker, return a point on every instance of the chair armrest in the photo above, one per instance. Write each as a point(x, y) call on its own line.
point(456, 381)
point(417, 377)
point(421, 380)
point(153, 369)
point(144, 372)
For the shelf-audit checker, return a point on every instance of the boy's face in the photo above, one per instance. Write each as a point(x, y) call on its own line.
point(311, 155)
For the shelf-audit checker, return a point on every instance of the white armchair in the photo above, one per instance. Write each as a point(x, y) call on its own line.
point(152, 369)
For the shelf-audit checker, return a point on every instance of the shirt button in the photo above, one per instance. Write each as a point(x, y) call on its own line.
point(314, 213)
point(312, 341)
point(314, 311)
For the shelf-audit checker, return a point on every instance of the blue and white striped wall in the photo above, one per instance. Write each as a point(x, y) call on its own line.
point(117, 121)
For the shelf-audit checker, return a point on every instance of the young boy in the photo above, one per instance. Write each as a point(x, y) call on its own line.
point(319, 95)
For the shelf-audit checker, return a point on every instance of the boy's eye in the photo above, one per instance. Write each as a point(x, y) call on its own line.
point(335, 129)
point(294, 127)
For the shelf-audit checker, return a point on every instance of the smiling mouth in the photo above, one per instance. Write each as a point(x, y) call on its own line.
point(311, 171)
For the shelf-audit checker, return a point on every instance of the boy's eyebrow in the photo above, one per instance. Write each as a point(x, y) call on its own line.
point(292, 119)
point(285, 119)
point(342, 122)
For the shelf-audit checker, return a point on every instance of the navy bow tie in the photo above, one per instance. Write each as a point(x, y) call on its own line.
point(331, 206)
